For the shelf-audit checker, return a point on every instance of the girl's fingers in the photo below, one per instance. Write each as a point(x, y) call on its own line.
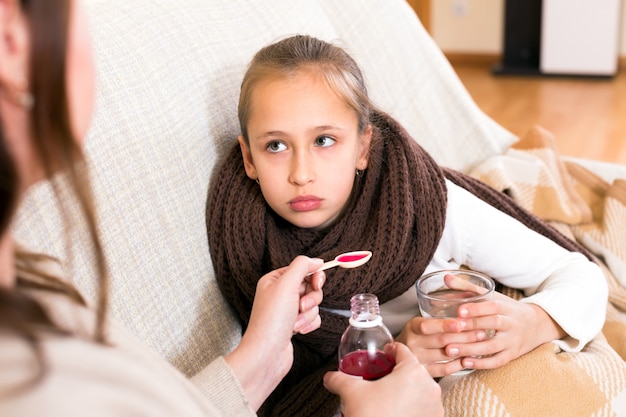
point(430, 326)
point(455, 282)
point(439, 369)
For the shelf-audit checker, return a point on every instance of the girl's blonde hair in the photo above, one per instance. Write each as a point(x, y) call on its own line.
point(301, 52)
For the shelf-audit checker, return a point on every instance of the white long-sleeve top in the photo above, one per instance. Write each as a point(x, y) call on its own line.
point(570, 288)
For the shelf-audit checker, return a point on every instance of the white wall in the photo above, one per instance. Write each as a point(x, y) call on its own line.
point(476, 26)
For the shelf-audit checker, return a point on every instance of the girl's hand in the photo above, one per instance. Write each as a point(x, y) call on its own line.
point(516, 327)
point(500, 330)
point(428, 338)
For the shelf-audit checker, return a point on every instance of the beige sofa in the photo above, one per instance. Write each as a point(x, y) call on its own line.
point(168, 81)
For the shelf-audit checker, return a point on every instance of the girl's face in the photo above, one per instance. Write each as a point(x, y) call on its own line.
point(305, 148)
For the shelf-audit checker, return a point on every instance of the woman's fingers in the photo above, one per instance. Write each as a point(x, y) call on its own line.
point(308, 321)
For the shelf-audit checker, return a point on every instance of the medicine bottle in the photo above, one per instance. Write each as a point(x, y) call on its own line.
point(365, 345)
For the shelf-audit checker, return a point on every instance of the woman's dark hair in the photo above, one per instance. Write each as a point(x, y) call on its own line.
point(8, 186)
point(57, 150)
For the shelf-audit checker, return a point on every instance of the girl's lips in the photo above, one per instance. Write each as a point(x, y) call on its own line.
point(305, 203)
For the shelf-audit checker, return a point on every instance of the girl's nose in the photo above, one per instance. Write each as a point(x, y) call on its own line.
point(302, 171)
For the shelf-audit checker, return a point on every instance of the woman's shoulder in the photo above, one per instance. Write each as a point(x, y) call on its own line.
point(88, 378)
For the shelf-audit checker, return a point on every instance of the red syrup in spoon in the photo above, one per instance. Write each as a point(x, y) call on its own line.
point(351, 258)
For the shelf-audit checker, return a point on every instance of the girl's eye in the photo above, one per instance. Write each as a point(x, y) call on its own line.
point(324, 141)
point(276, 146)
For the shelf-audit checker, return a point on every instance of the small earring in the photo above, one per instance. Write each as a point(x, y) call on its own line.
point(20, 96)
point(257, 181)
point(359, 172)
point(25, 99)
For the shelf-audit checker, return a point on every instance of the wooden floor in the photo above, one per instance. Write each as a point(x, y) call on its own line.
point(586, 115)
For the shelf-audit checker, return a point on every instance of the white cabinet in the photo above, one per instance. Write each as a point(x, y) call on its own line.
point(580, 37)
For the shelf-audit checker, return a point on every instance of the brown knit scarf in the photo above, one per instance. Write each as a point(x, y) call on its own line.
point(397, 211)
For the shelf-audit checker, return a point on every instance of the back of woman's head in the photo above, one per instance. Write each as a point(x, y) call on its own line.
point(289, 56)
point(48, 113)
point(49, 117)
point(50, 133)
point(55, 149)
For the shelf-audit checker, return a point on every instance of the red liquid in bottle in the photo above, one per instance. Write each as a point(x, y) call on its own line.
point(370, 367)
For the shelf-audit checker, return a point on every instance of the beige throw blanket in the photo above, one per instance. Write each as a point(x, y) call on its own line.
point(546, 381)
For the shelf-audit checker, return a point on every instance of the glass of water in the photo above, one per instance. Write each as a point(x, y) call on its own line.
point(441, 293)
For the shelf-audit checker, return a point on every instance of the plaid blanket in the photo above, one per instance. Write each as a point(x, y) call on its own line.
point(547, 381)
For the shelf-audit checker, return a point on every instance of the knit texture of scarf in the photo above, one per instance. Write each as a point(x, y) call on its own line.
point(397, 211)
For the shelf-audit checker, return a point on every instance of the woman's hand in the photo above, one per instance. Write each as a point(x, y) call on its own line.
point(407, 391)
point(286, 302)
point(288, 299)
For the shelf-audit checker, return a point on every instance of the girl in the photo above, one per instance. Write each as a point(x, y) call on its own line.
point(318, 170)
